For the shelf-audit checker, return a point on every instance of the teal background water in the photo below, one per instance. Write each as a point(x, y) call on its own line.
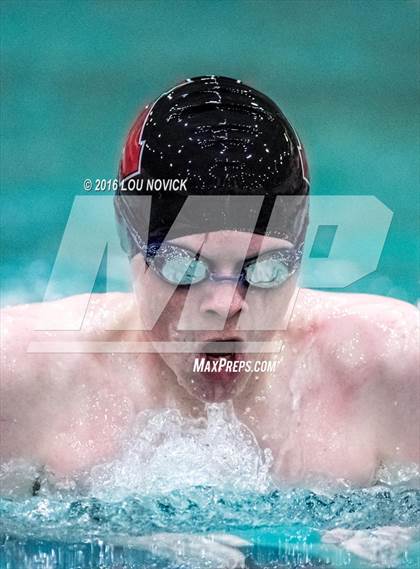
point(75, 73)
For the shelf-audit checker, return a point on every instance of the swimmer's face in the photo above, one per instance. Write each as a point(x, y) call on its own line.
point(215, 311)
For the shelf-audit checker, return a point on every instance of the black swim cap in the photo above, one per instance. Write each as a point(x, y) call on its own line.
point(217, 137)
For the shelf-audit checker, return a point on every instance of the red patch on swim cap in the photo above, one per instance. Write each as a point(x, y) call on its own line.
point(131, 154)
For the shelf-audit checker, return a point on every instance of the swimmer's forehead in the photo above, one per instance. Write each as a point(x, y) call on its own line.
point(228, 242)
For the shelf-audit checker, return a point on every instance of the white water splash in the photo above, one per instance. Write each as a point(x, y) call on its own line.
point(166, 451)
point(393, 473)
point(17, 477)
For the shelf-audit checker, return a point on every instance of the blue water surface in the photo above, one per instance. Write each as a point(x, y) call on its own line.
point(283, 528)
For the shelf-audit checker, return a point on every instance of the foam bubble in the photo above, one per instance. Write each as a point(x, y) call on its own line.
point(166, 451)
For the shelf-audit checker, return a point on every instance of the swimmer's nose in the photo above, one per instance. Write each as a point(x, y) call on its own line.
point(224, 299)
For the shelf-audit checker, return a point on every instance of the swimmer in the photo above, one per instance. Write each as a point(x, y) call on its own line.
point(343, 396)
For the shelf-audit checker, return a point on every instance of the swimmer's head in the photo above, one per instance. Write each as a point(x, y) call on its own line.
point(212, 177)
point(206, 137)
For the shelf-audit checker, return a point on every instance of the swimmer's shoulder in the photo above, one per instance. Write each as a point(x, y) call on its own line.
point(73, 315)
point(377, 334)
point(26, 328)
point(322, 307)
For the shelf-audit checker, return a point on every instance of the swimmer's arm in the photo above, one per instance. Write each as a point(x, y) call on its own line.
point(18, 390)
point(399, 386)
point(27, 405)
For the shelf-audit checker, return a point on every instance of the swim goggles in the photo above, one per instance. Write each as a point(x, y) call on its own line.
point(182, 268)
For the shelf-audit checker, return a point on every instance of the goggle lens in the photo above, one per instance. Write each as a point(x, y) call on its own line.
point(267, 273)
point(184, 270)
point(181, 268)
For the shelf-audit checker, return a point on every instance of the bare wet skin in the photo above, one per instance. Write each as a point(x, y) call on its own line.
point(343, 401)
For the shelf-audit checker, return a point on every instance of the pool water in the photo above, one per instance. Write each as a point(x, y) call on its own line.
point(197, 494)
point(279, 529)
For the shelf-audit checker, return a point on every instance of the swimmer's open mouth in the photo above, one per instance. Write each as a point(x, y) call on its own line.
point(224, 356)
point(223, 348)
